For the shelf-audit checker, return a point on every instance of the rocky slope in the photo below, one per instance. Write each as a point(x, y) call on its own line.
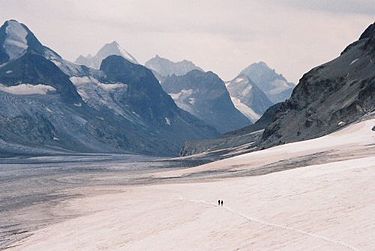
point(329, 96)
point(233, 143)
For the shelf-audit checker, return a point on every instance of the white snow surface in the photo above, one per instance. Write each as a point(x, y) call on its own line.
point(184, 100)
point(329, 205)
point(15, 43)
point(27, 89)
point(245, 110)
point(81, 81)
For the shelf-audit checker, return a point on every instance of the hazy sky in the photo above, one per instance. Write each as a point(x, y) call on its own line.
point(224, 36)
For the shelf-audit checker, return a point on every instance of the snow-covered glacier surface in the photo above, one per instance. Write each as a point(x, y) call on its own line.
point(309, 195)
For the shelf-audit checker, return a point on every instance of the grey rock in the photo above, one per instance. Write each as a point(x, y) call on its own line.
point(246, 139)
point(204, 95)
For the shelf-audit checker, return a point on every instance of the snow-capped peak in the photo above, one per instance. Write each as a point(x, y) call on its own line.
point(114, 48)
point(165, 67)
point(107, 50)
point(15, 43)
point(273, 84)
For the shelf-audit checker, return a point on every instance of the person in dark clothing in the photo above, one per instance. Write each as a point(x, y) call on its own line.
point(218, 202)
point(222, 203)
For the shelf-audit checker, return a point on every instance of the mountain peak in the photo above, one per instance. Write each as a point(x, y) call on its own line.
point(261, 63)
point(114, 48)
point(247, 97)
point(369, 32)
point(114, 43)
point(204, 95)
point(11, 21)
point(273, 84)
point(110, 49)
point(15, 42)
point(165, 67)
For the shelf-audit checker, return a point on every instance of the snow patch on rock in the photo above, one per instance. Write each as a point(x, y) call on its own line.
point(246, 110)
point(27, 89)
point(167, 121)
point(104, 95)
point(341, 123)
point(182, 93)
point(355, 60)
point(184, 100)
point(80, 81)
point(15, 44)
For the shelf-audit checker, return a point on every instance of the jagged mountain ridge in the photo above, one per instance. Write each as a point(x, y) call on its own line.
point(54, 105)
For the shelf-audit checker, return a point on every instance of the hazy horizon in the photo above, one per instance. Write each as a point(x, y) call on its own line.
point(222, 36)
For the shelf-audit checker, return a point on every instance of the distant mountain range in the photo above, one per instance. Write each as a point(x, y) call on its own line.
point(163, 67)
point(326, 99)
point(110, 103)
point(106, 102)
point(107, 50)
point(251, 98)
point(50, 105)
